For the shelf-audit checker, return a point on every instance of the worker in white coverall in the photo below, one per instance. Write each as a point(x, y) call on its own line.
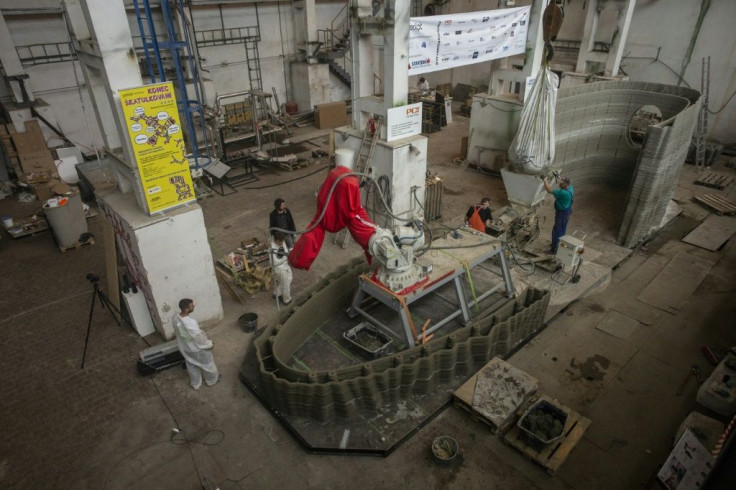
point(281, 270)
point(195, 347)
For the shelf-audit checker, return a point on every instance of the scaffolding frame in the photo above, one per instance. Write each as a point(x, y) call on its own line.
point(180, 56)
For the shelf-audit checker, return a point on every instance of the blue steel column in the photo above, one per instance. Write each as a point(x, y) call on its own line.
point(187, 107)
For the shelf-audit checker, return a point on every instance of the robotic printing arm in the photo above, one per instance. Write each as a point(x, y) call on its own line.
point(394, 249)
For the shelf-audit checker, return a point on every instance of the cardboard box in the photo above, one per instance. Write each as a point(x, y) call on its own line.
point(44, 190)
point(33, 154)
point(331, 115)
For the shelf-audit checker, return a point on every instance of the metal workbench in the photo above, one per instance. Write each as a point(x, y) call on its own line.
point(448, 265)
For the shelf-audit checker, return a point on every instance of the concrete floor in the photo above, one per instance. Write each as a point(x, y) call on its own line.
point(107, 427)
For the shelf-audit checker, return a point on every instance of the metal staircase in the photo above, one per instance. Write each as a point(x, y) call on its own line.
point(340, 72)
point(333, 46)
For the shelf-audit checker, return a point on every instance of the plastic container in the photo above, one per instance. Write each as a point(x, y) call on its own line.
point(291, 108)
point(248, 322)
point(444, 450)
point(7, 221)
point(345, 157)
point(66, 218)
point(368, 339)
point(542, 418)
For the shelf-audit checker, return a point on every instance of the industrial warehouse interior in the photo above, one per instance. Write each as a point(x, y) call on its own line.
point(368, 244)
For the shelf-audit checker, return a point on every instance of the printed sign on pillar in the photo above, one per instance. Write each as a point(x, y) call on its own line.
point(404, 121)
point(151, 116)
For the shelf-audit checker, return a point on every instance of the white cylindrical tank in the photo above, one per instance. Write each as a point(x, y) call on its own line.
point(65, 216)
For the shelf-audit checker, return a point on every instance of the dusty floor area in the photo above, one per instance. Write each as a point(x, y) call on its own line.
point(609, 356)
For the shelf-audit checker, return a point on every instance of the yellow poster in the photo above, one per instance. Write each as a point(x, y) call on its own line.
point(152, 119)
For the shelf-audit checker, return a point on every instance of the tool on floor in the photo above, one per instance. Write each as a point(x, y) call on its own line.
point(694, 373)
point(709, 355)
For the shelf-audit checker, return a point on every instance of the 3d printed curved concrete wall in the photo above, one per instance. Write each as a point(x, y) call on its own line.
point(594, 145)
point(344, 392)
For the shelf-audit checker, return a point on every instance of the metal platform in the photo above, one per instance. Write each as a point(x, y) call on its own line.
point(449, 265)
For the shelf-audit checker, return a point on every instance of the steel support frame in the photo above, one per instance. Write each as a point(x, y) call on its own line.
point(588, 51)
point(367, 287)
point(183, 63)
point(12, 71)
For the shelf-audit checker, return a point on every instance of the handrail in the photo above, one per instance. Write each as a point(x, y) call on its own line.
point(574, 45)
point(380, 85)
point(342, 22)
point(36, 54)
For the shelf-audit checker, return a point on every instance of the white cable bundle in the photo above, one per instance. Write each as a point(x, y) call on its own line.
point(533, 147)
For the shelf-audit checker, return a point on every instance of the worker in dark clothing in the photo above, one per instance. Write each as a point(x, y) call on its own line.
point(479, 216)
point(281, 218)
point(563, 209)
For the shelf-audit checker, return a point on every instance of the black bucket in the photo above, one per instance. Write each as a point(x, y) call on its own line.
point(545, 414)
point(248, 322)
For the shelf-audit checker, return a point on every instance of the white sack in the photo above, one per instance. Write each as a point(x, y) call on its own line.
point(533, 147)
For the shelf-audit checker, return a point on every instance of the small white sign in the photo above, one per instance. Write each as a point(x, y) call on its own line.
point(528, 87)
point(404, 121)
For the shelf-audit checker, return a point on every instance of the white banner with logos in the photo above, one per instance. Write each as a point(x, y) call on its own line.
point(404, 121)
point(446, 41)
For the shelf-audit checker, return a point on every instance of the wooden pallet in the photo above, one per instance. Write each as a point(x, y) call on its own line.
point(77, 245)
point(290, 165)
point(464, 395)
point(28, 226)
point(714, 180)
point(716, 203)
point(475, 415)
point(552, 456)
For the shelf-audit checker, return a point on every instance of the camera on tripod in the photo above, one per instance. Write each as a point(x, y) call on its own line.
point(92, 278)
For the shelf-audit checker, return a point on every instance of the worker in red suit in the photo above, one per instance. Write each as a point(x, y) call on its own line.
point(343, 210)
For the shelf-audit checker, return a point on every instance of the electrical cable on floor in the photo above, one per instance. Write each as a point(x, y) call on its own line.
point(287, 181)
point(173, 439)
point(450, 247)
point(518, 263)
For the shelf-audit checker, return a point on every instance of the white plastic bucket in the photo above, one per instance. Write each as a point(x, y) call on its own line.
point(344, 157)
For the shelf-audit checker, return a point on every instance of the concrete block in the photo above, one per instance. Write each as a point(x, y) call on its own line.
point(168, 256)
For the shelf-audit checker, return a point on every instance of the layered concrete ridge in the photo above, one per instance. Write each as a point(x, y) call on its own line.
point(593, 144)
point(366, 386)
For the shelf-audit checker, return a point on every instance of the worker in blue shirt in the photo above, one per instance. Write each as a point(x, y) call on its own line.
point(563, 209)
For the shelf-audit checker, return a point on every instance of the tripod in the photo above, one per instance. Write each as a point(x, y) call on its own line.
point(97, 293)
